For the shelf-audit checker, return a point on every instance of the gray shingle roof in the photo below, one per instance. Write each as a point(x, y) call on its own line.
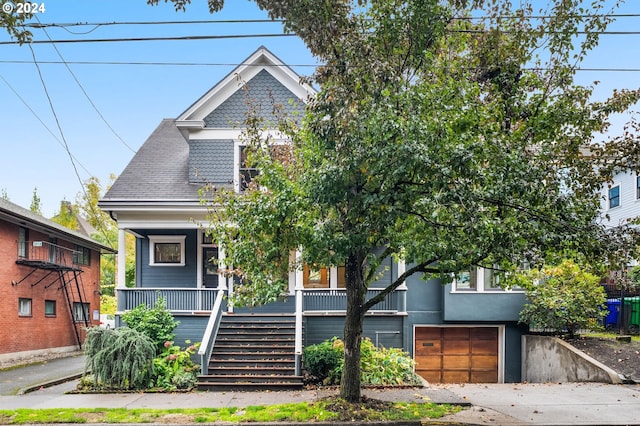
point(158, 171)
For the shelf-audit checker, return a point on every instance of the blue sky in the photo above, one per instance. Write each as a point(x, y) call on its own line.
point(133, 99)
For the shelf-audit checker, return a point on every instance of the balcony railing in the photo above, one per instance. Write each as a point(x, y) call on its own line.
point(46, 253)
point(201, 299)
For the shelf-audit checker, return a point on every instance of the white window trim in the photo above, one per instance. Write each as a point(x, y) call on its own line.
point(155, 239)
point(237, 144)
point(480, 288)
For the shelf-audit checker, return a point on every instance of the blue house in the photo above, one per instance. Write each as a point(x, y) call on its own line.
point(461, 332)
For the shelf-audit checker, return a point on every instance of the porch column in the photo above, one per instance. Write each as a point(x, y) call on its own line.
point(121, 277)
point(402, 299)
point(299, 308)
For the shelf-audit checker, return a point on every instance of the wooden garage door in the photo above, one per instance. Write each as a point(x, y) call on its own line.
point(457, 354)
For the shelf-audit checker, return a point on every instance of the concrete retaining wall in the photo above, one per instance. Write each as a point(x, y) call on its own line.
point(549, 359)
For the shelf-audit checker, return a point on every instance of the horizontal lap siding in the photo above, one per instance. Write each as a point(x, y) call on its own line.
point(168, 276)
point(388, 330)
point(191, 328)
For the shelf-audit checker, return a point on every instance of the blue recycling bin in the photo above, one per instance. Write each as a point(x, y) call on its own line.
point(611, 320)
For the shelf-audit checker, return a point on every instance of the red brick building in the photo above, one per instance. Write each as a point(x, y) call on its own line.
point(49, 285)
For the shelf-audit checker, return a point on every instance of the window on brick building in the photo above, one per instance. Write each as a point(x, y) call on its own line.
point(50, 308)
point(24, 307)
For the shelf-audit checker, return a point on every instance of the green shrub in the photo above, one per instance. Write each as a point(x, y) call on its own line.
point(157, 322)
point(563, 299)
point(174, 367)
point(378, 366)
point(324, 360)
point(120, 358)
point(386, 366)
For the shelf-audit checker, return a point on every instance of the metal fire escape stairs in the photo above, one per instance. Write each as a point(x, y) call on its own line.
point(60, 264)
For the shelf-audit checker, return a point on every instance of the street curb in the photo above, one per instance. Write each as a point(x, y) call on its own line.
point(32, 388)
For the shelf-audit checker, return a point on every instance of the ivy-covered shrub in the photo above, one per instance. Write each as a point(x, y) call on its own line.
point(120, 358)
point(378, 366)
point(156, 322)
point(563, 299)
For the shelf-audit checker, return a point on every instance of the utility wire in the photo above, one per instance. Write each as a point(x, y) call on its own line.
point(280, 21)
point(229, 64)
point(242, 36)
point(95, 108)
point(66, 145)
point(175, 38)
point(35, 114)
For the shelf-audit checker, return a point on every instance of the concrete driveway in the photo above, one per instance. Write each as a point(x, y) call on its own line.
point(549, 403)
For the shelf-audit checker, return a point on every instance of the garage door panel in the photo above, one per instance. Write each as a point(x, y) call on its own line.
point(454, 347)
point(484, 377)
point(484, 347)
point(484, 362)
point(455, 333)
point(431, 376)
point(428, 362)
point(452, 376)
point(481, 333)
point(457, 354)
point(456, 361)
point(429, 347)
point(428, 333)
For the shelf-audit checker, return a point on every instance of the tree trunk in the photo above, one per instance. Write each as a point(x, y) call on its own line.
point(356, 292)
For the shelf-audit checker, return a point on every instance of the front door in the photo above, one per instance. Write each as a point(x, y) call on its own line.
point(210, 267)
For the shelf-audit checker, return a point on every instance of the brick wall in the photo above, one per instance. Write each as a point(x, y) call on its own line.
point(39, 331)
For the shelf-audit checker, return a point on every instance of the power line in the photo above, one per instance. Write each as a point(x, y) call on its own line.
point(93, 105)
point(242, 36)
point(66, 145)
point(280, 21)
point(174, 38)
point(35, 114)
point(229, 64)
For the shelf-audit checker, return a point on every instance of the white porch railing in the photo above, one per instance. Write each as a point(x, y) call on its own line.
point(211, 331)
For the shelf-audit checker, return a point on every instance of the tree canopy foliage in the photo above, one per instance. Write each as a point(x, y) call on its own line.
point(449, 134)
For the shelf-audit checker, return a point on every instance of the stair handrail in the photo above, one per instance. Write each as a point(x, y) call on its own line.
point(298, 336)
point(210, 332)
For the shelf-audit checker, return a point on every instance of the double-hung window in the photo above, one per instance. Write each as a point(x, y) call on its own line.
point(614, 196)
point(638, 187)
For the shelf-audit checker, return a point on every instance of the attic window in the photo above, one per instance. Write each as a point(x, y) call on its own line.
point(166, 250)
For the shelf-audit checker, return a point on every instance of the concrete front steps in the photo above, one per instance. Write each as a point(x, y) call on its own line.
point(253, 352)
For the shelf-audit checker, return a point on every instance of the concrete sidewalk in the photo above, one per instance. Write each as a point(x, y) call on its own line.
point(495, 404)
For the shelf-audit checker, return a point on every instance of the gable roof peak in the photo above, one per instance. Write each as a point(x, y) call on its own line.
point(261, 59)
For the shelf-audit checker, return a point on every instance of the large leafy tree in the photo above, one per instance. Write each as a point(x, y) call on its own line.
point(447, 133)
